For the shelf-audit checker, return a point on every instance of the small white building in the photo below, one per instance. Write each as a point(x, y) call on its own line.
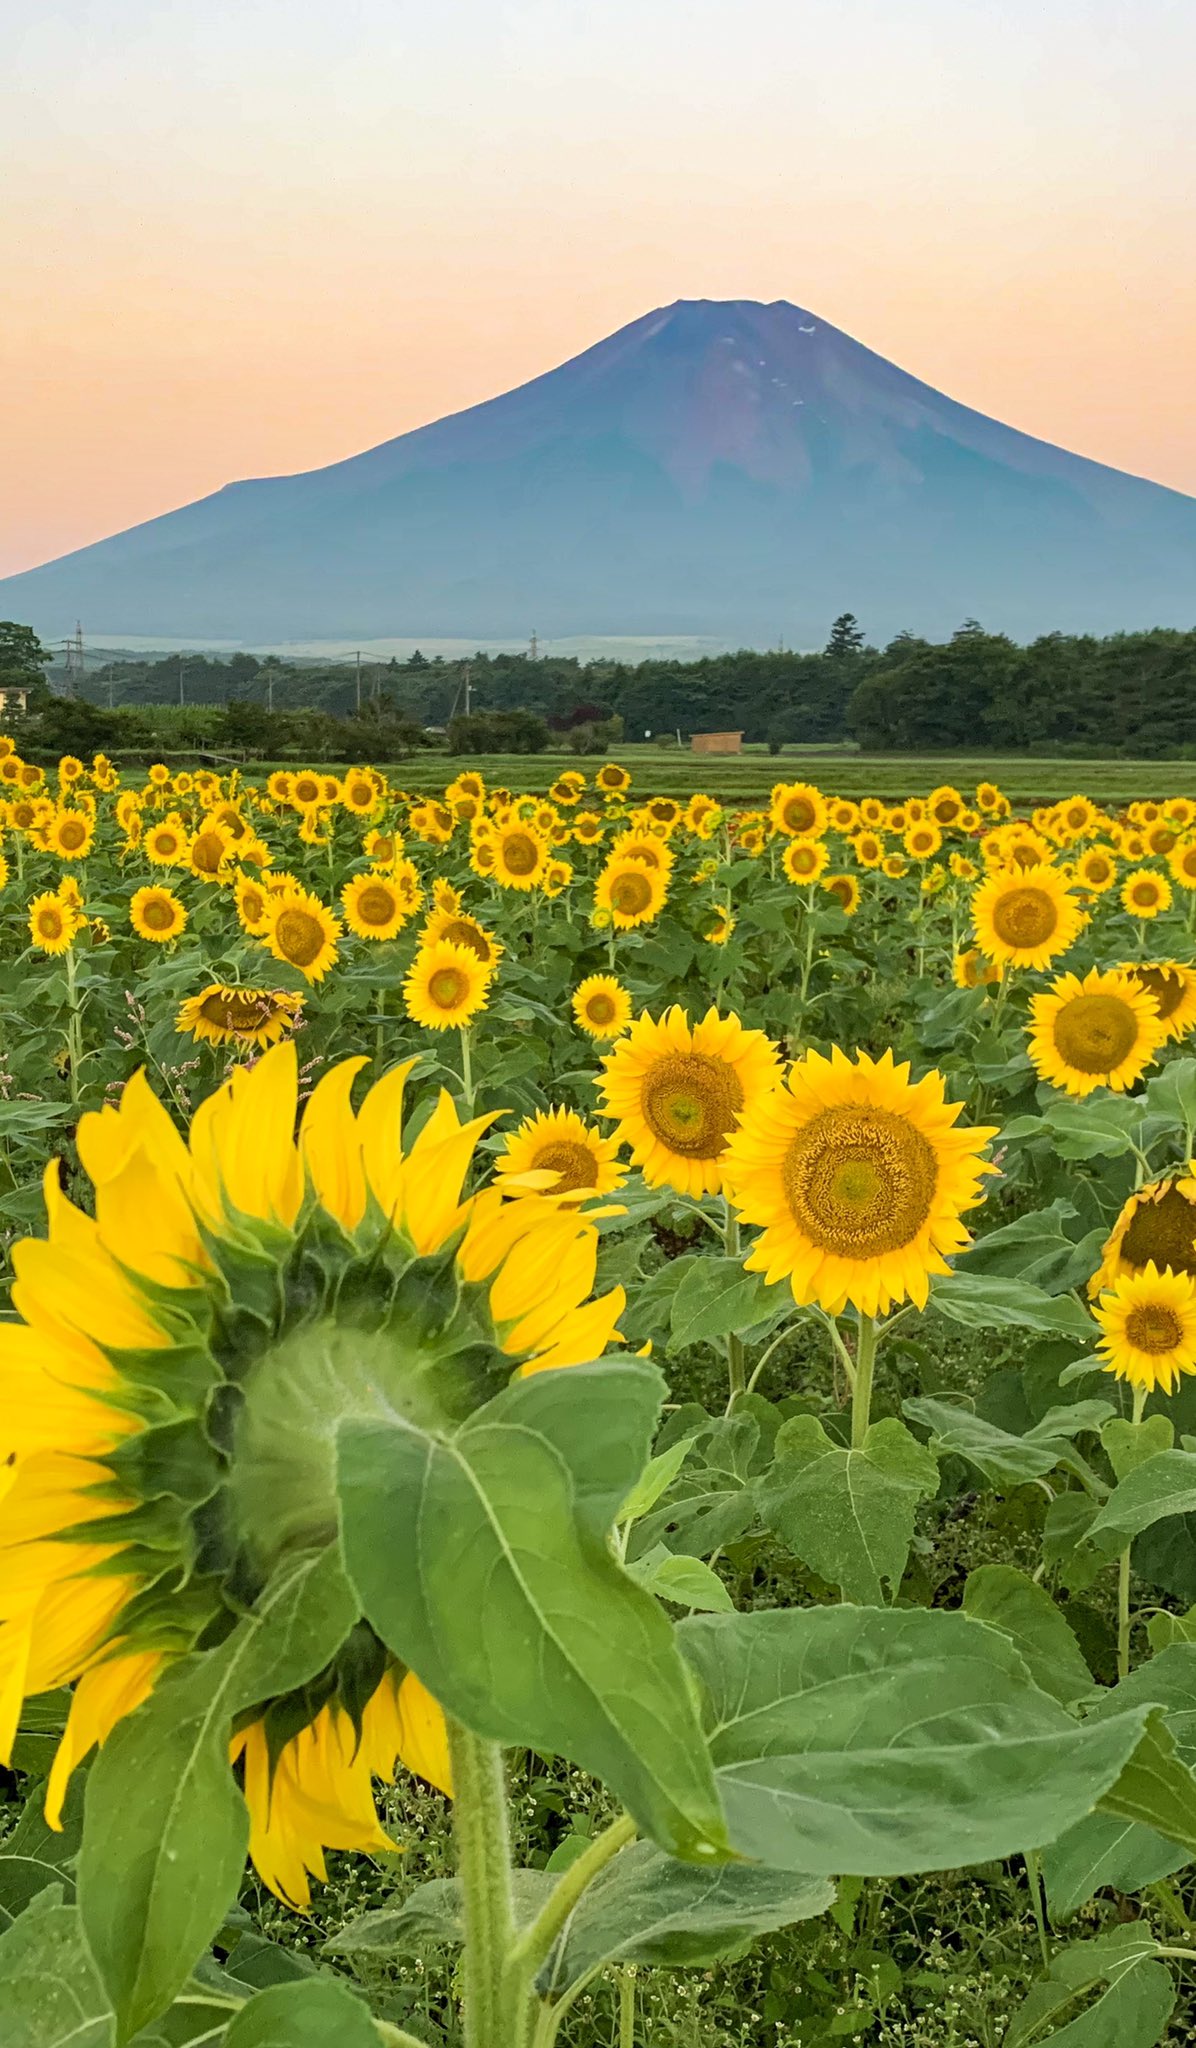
point(14, 700)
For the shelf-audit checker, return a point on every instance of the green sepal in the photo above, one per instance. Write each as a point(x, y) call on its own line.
point(173, 1459)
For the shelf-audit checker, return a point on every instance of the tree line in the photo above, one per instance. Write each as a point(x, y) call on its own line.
point(1129, 693)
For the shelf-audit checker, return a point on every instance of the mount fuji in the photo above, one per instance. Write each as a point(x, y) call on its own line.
point(719, 467)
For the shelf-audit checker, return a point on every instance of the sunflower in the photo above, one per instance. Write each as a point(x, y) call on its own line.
point(555, 1152)
point(210, 1281)
point(1145, 894)
point(1182, 862)
point(446, 986)
point(963, 869)
point(359, 793)
point(257, 1017)
point(721, 927)
point(646, 848)
point(923, 841)
point(873, 813)
point(279, 785)
point(601, 1006)
point(462, 930)
point(374, 908)
point(307, 790)
point(894, 865)
point(868, 849)
point(989, 798)
point(944, 806)
point(302, 932)
point(53, 923)
point(382, 848)
point(588, 829)
point(857, 1178)
point(158, 774)
point(844, 815)
point(71, 835)
point(1156, 1226)
point(629, 894)
point(157, 914)
point(520, 856)
point(1148, 1328)
point(1096, 870)
point(166, 842)
point(804, 860)
point(677, 1093)
point(557, 877)
point(970, 969)
point(845, 890)
point(1025, 918)
point(612, 780)
point(798, 810)
point(252, 899)
point(1101, 1032)
point(1173, 988)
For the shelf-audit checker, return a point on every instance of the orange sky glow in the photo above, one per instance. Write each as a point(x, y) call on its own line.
point(264, 237)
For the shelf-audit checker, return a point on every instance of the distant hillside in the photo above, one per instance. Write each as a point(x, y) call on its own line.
point(729, 469)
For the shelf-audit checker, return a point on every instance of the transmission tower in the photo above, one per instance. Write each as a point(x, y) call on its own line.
point(74, 662)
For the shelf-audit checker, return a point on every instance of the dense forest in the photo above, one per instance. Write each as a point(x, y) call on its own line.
point(1132, 693)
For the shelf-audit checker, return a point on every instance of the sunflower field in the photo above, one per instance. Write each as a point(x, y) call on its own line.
point(599, 1416)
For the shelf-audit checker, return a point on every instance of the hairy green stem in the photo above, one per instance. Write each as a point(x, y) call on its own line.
point(627, 2007)
point(466, 1070)
point(535, 1944)
point(1034, 1880)
point(482, 1832)
point(1125, 1620)
point(736, 1373)
point(861, 1393)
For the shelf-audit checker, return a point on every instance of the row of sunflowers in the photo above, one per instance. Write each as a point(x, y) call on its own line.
point(372, 1167)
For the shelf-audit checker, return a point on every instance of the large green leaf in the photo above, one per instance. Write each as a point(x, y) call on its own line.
point(1006, 1459)
point(1132, 1840)
point(714, 1497)
point(986, 1301)
point(320, 2013)
point(1164, 1486)
point(433, 1916)
point(1035, 1249)
point(718, 1298)
point(482, 1557)
point(1024, 1611)
point(50, 1994)
point(647, 1908)
point(1134, 2002)
point(849, 1513)
point(166, 1829)
point(856, 1740)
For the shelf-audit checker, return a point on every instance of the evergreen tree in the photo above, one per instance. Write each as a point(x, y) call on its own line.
point(846, 637)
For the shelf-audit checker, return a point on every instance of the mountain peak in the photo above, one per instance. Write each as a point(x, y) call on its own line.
point(721, 467)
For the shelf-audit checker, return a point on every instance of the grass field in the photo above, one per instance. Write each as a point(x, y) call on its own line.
point(747, 778)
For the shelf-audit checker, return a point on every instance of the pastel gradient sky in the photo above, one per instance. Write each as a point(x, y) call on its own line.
point(248, 236)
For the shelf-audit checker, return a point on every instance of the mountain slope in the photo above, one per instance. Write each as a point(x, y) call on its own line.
point(717, 467)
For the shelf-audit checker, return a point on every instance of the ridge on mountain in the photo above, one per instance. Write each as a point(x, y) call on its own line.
point(717, 467)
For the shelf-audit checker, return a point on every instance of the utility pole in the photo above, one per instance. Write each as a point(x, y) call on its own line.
point(535, 646)
point(468, 687)
point(359, 682)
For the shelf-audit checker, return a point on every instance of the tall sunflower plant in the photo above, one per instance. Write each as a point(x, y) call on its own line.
point(322, 1465)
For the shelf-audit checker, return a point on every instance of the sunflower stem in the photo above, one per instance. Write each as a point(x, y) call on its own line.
point(496, 2016)
point(861, 1392)
point(535, 1944)
point(627, 2007)
point(74, 1029)
point(1125, 1620)
point(736, 1373)
point(1034, 1880)
point(466, 1070)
